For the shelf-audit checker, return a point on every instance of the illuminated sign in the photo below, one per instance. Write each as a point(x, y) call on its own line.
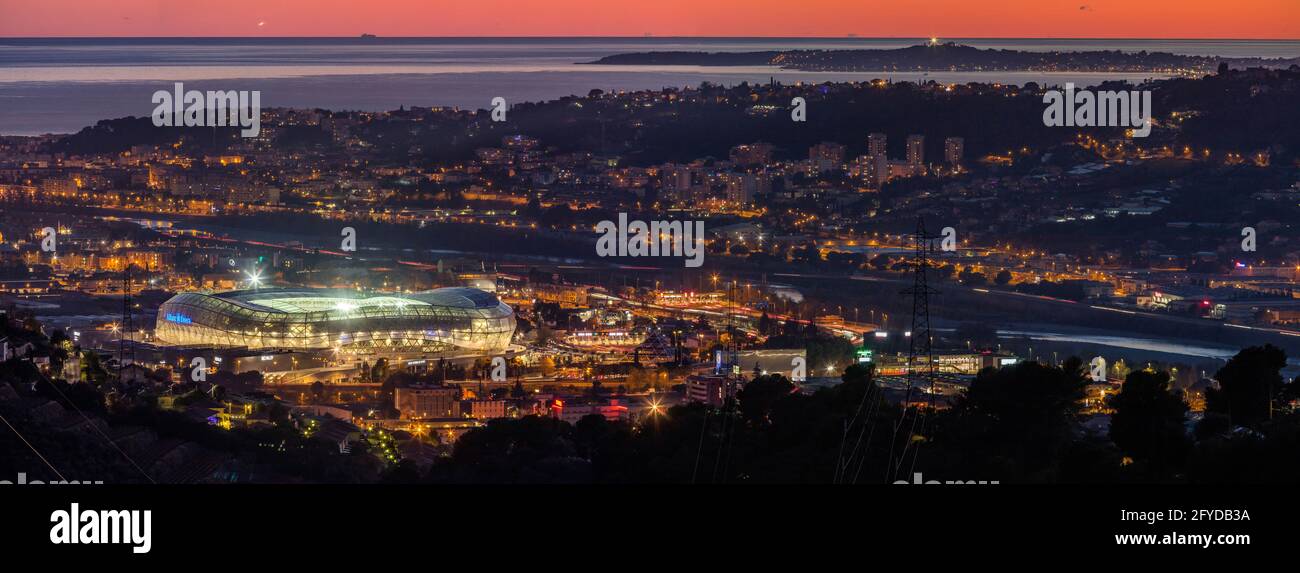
point(179, 318)
point(865, 356)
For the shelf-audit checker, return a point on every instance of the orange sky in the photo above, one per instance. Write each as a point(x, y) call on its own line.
point(1276, 19)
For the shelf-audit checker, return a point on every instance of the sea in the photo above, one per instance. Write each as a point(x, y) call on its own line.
point(61, 85)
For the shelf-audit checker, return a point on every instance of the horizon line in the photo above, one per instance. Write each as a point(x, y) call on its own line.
point(651, 36)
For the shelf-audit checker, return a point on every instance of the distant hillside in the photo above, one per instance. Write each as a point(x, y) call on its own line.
point(950, 57)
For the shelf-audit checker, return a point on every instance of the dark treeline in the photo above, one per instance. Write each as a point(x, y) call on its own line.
point(1017, 424)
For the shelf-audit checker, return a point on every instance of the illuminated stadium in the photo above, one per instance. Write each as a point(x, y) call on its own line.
point(444, 319)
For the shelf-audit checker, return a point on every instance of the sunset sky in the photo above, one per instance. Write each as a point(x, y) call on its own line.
point(1258, 19)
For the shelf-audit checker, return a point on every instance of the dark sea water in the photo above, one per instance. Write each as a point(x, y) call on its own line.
point(62, 85)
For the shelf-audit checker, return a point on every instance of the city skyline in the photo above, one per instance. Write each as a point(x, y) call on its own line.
point(1083, 19)
point(307, 279)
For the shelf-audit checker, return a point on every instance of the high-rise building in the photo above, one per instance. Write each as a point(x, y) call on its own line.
point(875, 170)
point(826, 156)
point(752, 154)
point(875, 144)
point(677, 182)
point(879, 171)
point(684, 179)
point(916, 149)
point(742, 188)
point(59, 186)
point(953, 148)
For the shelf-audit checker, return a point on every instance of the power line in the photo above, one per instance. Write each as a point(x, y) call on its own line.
point(874, 415)
point(842, 464)
point(33, 448)
point(699, 449)
point(101, 432)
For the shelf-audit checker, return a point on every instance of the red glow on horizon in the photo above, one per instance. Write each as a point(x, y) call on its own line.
point(1180, 19)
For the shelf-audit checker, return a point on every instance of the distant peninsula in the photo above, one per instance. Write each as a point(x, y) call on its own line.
point(951, 57)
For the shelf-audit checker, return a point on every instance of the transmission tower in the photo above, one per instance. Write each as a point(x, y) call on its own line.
point(126, 325)
point(920, 354)
point(921, 345)
point(731, 385)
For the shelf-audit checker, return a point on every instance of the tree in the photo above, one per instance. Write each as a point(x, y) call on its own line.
point(380, 370)
point(947, 271)
point(1003, 277)
point(1248, 384)
point(1148, 420)
point(791, 329)
point(1120, 369)
point(1291, 392)
point(972, 278)
point(1016, 421)
point(242, 383)
point(558, 216)
point(277, 413)
point(760, 394)
point(402, 472)
point(530, 449)
point(810, 331)
point(60, 346)
point(92, 369)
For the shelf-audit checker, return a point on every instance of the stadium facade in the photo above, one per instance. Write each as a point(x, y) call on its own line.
point(446, 319)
